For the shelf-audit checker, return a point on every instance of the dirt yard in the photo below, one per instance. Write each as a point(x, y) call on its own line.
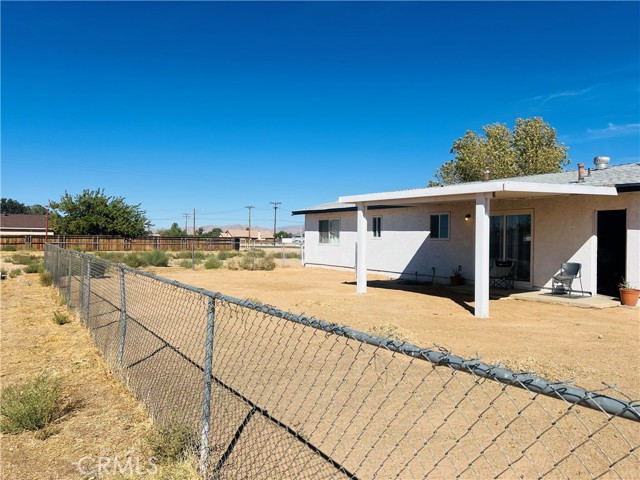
point(591, 346)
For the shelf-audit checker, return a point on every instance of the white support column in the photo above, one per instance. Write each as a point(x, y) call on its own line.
point(361, 250)
point(483, 211)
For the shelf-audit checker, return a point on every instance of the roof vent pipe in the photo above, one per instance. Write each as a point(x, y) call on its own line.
point(601, 162)
point(486, 175)
point(581, 172)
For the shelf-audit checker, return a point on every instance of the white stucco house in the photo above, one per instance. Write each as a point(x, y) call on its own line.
point(590, 216)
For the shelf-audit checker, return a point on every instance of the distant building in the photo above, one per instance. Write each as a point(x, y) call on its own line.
point(256, 234)
point(16, 224)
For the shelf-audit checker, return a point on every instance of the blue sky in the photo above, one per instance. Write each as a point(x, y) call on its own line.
point(218, 105)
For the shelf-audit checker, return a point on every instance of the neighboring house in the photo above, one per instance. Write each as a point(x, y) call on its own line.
point(14, 224)
point(591, 217)
point(256, 234)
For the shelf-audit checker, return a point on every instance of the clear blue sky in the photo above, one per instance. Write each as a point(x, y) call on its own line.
point(215, 106)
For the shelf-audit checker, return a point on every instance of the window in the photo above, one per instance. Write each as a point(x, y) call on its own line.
point(377, 227)
point(440, 226)
point(329, 231)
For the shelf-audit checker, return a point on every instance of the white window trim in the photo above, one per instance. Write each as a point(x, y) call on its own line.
point(329, 219)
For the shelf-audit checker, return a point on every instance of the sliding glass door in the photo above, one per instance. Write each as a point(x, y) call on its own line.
point(510, 239)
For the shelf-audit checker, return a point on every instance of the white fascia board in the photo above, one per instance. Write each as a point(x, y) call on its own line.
point(560, 189)
point(474, 188)
point(420, 193)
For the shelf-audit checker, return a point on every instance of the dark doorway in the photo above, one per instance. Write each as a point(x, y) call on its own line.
point(612, 248)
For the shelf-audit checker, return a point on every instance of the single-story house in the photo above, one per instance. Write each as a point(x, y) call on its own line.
point(256, 234)
point(16, 224)
point(590, 216)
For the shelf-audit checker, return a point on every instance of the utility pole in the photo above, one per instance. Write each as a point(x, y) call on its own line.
point(249, 207)
point(275, 211)
point(186, 219)
point(194, 222)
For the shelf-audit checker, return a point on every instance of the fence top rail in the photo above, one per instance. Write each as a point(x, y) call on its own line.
point(629, 409)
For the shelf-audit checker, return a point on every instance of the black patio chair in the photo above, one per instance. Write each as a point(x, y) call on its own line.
point(501, 274)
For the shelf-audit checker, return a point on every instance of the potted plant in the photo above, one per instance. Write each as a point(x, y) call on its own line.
point(628, 294)
point(457, 278)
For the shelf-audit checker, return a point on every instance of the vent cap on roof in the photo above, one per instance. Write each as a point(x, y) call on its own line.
point(601, 162)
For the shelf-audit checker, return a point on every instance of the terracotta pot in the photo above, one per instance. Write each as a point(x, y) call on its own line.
point(629, 296)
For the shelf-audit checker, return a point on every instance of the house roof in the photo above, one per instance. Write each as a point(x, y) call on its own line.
point(15, 221)
point(238, 233)
point(617, 178)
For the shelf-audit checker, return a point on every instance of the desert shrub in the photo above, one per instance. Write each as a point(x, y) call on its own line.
point(186, 264)
point(31, 405)
point(22, 259)
point(46, 279)
point(255, 253)
point(212, 263)
point(117, 257)
point(251, 263)
point(15, 272)
point(233, 264)
point(34, 268)
point(157, 258)
point(60, 318)
point(226, 254)
point(9, 248)
point(172, 441)
point(199, 256)
point(134, 260)
point(293, 255)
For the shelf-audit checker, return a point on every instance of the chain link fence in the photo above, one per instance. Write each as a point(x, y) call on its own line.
point(276, 395)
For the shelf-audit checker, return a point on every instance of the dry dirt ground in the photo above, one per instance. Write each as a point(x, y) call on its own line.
point(104, 420)
point(591, 346)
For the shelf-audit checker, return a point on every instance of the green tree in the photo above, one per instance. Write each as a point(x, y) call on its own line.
point(282, 234)
point(214, 232)
point(37, 210)
point(94, 213)
point(531, 148)
point(9, 205)
point(174, 231)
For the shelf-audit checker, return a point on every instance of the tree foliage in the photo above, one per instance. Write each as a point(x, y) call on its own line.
point(214, 232)
point(174, 231)
point(531, 148)
point(94, 213)
point(9, 205)
point(283, 234)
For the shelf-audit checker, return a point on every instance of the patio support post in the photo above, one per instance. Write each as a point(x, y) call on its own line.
point(483, 211)
point(361, 250)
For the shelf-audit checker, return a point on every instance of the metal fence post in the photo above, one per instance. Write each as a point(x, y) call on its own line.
point(206, 400)
point(87, 293)
point(69, 272)
point(81, 289)
point(123, 318)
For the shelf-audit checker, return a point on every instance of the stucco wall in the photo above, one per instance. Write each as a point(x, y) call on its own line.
point(564, 229)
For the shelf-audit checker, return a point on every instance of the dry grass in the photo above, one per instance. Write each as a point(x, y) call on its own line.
point(106, 420)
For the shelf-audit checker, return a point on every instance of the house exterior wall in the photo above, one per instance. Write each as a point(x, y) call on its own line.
point(564, 229)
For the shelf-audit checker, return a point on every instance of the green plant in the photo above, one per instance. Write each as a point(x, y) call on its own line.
point(172, 441)
point(134, 260)
point(9, 248)
point(212, 263)
point(14, 273)
point(22, 259)
point(156, 258)
point(199, 256)
point(624, 284)
point(117, 257)
point(60, 318)
point(255, 253)
point(46, 279)
point(267, 264)
point(226, 254)
point(34, 268)
point(186, 264)
point(31, 405)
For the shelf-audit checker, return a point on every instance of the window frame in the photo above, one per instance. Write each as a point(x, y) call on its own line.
point(440, 215)
point(329, 223)
point(373, 226)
